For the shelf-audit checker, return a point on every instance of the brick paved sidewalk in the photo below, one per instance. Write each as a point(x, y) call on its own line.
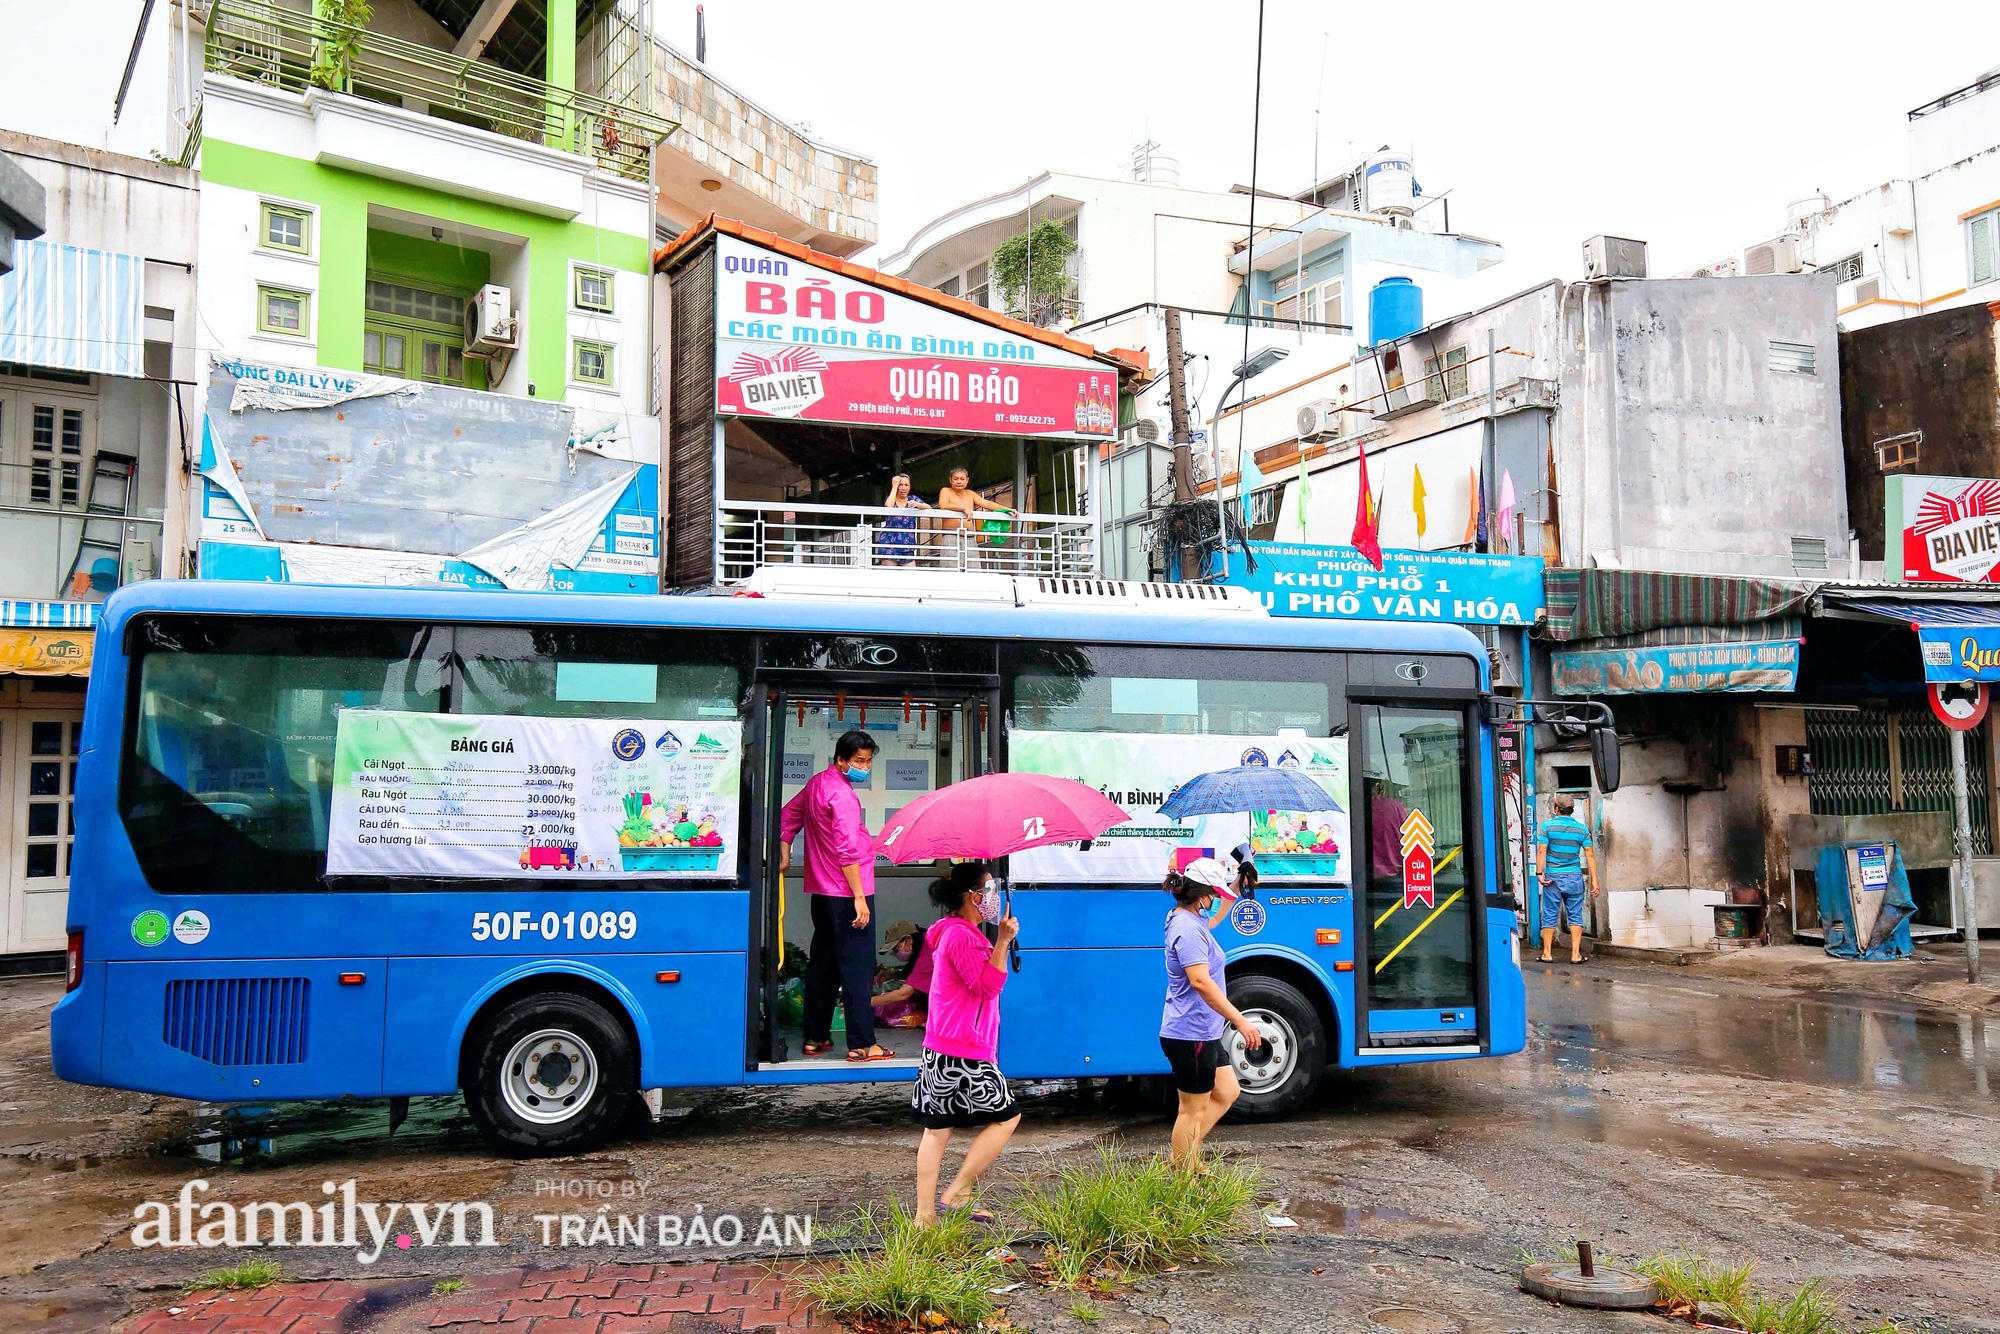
point(586, 1299)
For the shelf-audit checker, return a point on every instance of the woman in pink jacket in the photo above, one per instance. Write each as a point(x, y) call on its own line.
point(959, 1085)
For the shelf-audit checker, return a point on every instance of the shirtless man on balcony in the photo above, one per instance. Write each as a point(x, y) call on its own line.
point(966, 503)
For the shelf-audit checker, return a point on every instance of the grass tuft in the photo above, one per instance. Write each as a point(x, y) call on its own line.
point(1691, 1282)
point(237, 1278)
point(1137, 1213)
point(444, 1287)
point(1813, 1309)
point(1695, 1280)
point(1084, 1313)
point(922, 1277)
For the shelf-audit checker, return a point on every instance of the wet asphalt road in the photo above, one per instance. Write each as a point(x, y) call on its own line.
point(1654, 1110)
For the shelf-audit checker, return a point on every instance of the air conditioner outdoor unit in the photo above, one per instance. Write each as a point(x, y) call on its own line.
point(1320, 420)
point(1614, 257)
point(490, 325)
point(1780, 255)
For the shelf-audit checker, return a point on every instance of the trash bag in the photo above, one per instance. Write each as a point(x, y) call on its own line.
point(1890, 936)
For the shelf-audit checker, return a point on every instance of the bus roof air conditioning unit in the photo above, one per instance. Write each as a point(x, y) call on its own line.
point(1320, 420)
point(492, 331)
point(1780, 255)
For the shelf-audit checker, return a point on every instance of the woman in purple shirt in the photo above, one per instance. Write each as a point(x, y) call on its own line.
point(1198, 1009)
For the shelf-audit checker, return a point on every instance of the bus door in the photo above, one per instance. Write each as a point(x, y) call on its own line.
point(1420, 896)
point(929, 738)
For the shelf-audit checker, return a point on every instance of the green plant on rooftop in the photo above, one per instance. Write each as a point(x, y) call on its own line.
point(333, 62)
point(1034, 263)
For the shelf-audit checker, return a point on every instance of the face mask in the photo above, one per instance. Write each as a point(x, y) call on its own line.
point(857, 776)
point(904, 952)
point(989, 906)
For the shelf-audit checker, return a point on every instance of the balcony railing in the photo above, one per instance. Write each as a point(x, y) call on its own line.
point(755, 533)
point(270, 44)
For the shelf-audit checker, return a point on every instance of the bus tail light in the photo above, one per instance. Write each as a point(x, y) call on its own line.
point(353, 979)
point(73, 962)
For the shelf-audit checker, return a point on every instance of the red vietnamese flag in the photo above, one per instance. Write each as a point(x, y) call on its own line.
point(1367, 538)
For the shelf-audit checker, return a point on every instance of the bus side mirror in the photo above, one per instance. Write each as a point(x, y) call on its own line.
point(1604, 757)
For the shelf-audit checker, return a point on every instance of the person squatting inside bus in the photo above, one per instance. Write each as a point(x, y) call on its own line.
point(840, 880)
point(959, 1084)
point(1198, 1009)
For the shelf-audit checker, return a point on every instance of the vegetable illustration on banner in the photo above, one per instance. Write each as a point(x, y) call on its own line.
point(1140, 771)
point(471, 795)
point(1419, 847)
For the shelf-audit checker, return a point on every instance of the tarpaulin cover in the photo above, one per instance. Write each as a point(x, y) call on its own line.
point(1890, 937)
point(1589, 603)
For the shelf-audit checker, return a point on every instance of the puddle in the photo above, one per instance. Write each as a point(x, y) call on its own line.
point(304, 1131)
point(1882, 1197)
point(1946, 1060)
point(28, 1134)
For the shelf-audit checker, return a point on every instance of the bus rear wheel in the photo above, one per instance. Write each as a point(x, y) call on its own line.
point(1282, 1074)
point(549, 1073)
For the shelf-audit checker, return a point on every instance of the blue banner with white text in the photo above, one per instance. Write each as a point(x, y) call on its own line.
point(1338, 583)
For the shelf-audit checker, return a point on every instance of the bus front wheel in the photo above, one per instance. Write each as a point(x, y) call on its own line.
point(549, 1073)
point(1279, 1077)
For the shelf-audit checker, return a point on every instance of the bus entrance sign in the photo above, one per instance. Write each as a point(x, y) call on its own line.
point(1419, 846)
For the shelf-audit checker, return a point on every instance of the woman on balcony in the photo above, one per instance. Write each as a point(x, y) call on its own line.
point(899, 534)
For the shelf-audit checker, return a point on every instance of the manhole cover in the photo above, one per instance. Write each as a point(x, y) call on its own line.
point(1415, 1320)
point(1617, 1289)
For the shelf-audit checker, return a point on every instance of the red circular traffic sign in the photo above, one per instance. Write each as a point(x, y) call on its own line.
point(1958, 705)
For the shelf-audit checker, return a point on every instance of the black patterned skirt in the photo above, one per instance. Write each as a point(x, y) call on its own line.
point(955, 1091)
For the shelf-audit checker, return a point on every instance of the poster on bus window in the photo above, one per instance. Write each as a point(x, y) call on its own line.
point(1140, 770)
point(555, 799)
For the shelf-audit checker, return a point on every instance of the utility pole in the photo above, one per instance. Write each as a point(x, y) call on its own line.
point(1177, 409)
point(1968, 894)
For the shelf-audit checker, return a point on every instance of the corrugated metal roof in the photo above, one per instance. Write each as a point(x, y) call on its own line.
point(1914, 614)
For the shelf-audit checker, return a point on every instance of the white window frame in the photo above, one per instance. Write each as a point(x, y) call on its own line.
point(18, 400)
point(1982, 226)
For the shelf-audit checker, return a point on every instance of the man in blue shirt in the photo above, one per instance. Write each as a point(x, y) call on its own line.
point(1568, 854)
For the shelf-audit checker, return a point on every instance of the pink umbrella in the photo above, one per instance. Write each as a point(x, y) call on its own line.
point(996, 814)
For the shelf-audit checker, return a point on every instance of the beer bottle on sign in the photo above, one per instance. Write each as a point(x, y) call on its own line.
point(1082, 428)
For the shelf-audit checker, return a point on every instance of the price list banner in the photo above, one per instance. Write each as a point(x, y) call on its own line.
point(427, 794)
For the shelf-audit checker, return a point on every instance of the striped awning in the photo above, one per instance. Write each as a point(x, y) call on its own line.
point(1592, 603)
point(49, 615)
point(74, 309)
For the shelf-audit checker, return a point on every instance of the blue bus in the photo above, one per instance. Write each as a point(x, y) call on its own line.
point(238, 933)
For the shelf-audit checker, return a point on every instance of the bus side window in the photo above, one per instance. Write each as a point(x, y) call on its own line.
point(567, 671)
point(229, 768)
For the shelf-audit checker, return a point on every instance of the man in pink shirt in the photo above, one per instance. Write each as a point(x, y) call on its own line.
point(840, 877)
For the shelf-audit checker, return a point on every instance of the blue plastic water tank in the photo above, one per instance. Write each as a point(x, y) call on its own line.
point(1395, 310)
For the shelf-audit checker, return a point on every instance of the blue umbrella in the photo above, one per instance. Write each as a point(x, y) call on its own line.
point(1249, 787)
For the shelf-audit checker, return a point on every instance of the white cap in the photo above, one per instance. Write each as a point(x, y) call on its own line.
point(1210, 872)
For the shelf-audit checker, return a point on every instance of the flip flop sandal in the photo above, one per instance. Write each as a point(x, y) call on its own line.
point(818, 1048)
point(977, 1213)
point(861, 1056)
